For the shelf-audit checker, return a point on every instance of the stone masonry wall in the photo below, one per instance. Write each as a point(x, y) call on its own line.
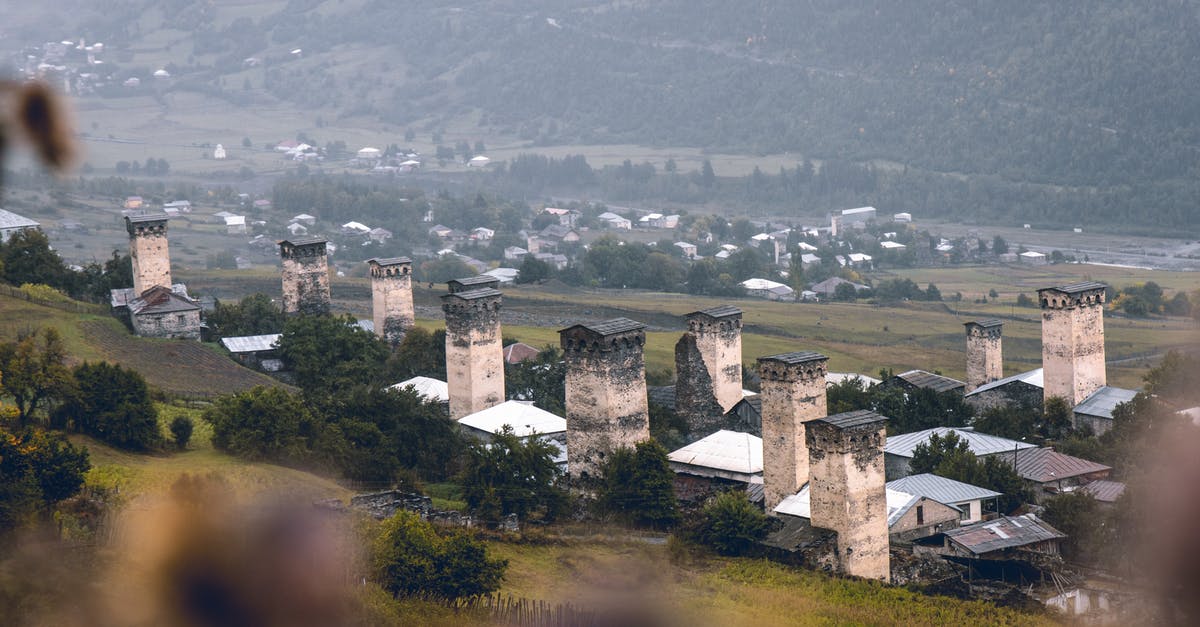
point(305, 280)
point(1073, 349)
point(392, 301)
point(150, 256)
point(984, 358)
point(792, 394)
point(848, 494)
point(474, 354)
point(695, 401)
point(606, 400)
point(183, 325)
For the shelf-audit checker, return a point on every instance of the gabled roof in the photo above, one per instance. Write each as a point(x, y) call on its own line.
point(1033, 377)
point(797, 357)
point(1043, 465)
point(720, 311)
point(1105, 491)
point(160, 300)
point(610, 327)
point(1077, 288)
point(1003, 533)
point(799, 504)
point(723, 451)
point(389, 261)
point(986, 323)
point(427, 388)
point(523, 417)
point(847, 420)
point(1102, 402)
point(250, 343)
point(470, 282)
point(518, 352)
point(483, 292)
point(980, 443)
point(941, 489)
point(928, 380)
point(303, 241)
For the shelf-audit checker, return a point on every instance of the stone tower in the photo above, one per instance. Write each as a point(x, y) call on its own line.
point(1073, 340)
point(793, 393)
point(984, 359)
point(305, 276)
point(847, 491)
point(391, 297)
point(606, 392)
point(148, 252)
point(474, 351)
point(708, 367)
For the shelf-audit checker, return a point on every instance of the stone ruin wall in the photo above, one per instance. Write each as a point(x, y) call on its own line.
point(606, 401)
point(847, 492)
point(474, 355)
point(791, 395)
point(392, 301)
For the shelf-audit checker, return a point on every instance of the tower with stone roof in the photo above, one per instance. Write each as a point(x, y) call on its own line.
point(984, 360)
point(1073, 340)
point(392, 298)
point(606, 392)
point(148, 252)
point(305, 275)
point(474, 350)
point(793, 393)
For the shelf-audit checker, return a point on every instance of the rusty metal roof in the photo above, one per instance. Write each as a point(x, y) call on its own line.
point(1003, 533)
point(1043, 465)
point(798, 357)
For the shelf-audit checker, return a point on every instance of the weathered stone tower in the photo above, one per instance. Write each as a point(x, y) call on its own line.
point(708, 367)
point(793, 393)
point(474, 351)
point(984, 359)
point(391, 297)
point(606, 392)
point(847, 492)
point(305, 276)
point(148, 251)
point(1073, 340)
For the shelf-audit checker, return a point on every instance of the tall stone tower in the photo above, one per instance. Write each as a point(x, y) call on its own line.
point(1073, 340)
point(148, 252)
point(708, 367)
point(391, 297)
point(474, 351)
point(984, 360)
point(793, 393)
point(606, 392)
point(847, 492)
point(305, 276)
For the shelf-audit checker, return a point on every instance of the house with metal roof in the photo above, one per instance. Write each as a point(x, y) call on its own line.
point(899, 449)
point(160, 312)
point(909, 516)
point(970, 500)
point(1005, 537)
point(522, 416)
point(256, 351)
point(427, 388)
point(920, 379)
point(518, 352)
point(1104, 491)
point(1049, 472)
point(11, 224)
point(724, 454)
point(1024, 389)
point(1096, 411)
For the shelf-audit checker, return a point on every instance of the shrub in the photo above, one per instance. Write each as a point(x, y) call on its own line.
point(181, 429)
point(639, 486)
point(113, 404)
point(410, 559)
point(730, 524)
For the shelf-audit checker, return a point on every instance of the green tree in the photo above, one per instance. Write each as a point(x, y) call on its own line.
point(730, 524)
point(512, 475)
point(331, 352)
point(411, 559)
point(541, 380)
point(28, 258)
point(999, 246)
point(708, 177)
point(112, 404)
point(253, 315)
point(638, 486)
point(262, 424)
point(35, 371)
point(533, 270)
point(1077, 515)
point(420, 354)
point(181, 430)
point(845, 292)
point(38, 469)
point(939, 450)
point(385, 432)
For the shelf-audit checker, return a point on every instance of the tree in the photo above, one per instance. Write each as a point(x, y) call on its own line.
point(949, 449)
point(253, 315)
point(37, 470)
point(708, 177)
point(262, 424)
point(330, 352)
point(999, 246)
point(845, 292)
point(420, 354)
point(181, 430)
point(511, 475)
point(730, 524)
point(533, 270)
point(386, 432)
point(933, 293)
point(35, 371)
point(112, 404)
point(541, 380)
point(410, 559)
point(950, 456)
point(638, 486)
point(246, 143)
point(28, 258)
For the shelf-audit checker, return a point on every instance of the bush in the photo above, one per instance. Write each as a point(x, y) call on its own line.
point(730, 524)
point(112, 404)
point(639, 486)
point(410, 559)
point(261, 424)
point(181, 429)
point(511, 475)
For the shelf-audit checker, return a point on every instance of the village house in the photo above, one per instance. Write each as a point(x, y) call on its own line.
point(518, 352)
point(556, 261)
point(721, 461)
point(1049, 472)
point(427, 388)
point(770, 290)
point(11, 224)
point(522, 417)
point(235, 225)
point(688, 250)
point(828, 287)
point(1007, 537)
point(1022, 390)
point(559, 233)
point(504, 275)
point(909, 516)
point(160, 312)
point(255, 351)
point(1032, 257)
point(971, 501)
point(379, 235)
point(899, 449)
point(515, 253)
point(133, 202)
point(902, 217)
point(304, 218)
point(482, 234)
point(920, 379)
point(1096, 411)
point(615, 221)
point(1105, 492)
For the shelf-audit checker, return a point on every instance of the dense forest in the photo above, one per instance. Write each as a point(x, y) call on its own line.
point(1083, 111)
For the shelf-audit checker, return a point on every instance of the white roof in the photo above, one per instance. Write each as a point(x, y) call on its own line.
point(762, 237)
point(250, 343)
point(10, 220)
point(368, 151)
point(357, 226)
point(235, 220)
point(522, 416)
point(809, 258)
point(798, 504)
point(904, 444)
point(833, 378)
point(730, 247)
point(685, 245)
point(729, 451)
point(806, 247)
point(858, 211)
point(427, 388)
point(891, 244)
point(1032, 253)
point(941, 489)
point(223, 214)
point(504, 274)
point(1032, 377)
point(480, 159)
point(761, 284)
point(859, 257)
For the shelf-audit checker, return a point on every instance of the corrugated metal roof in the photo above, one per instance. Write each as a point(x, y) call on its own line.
point(427, 388)
point(941, 489)
point(250, 343)
point(850, 419)
point(798, 357)
point(1032, 377)
point(523, 417)
point(10, 220)
point(1045, 464)
point(834, 378)
point(471, 281)
point(979, 443)
point(720, 311)
point(1003, 533)
point(724, 450)
point(1102, 402)
point(389, 261)
point(153, 217)
point(928, 380)
point(1105, 491)
point(799, 504)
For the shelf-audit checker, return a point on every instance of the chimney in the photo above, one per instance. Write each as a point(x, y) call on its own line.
point(793, 393)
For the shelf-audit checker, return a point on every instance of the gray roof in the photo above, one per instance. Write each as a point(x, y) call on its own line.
point(483, 292)
point(720, 311)
point(941, 489)
point(1102, 402)
point(154, 217)
point(979, 443)
point(1033, 377)
point(1077, 288)
point(161, 300)
point(1105, 491)
point(795, 358)
point(1044, 465)
point(303, 241)
point(986, 323)
point(928, 380)
point(250, 343)
point(10, 220)
point(612, 327)
point(390, 261)
point(852, 419)
point(1003, 533)
point(479, 279)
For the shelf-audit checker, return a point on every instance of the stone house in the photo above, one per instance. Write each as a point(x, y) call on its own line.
point(971, 501)
point(160, 312)
point(1022, 390)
